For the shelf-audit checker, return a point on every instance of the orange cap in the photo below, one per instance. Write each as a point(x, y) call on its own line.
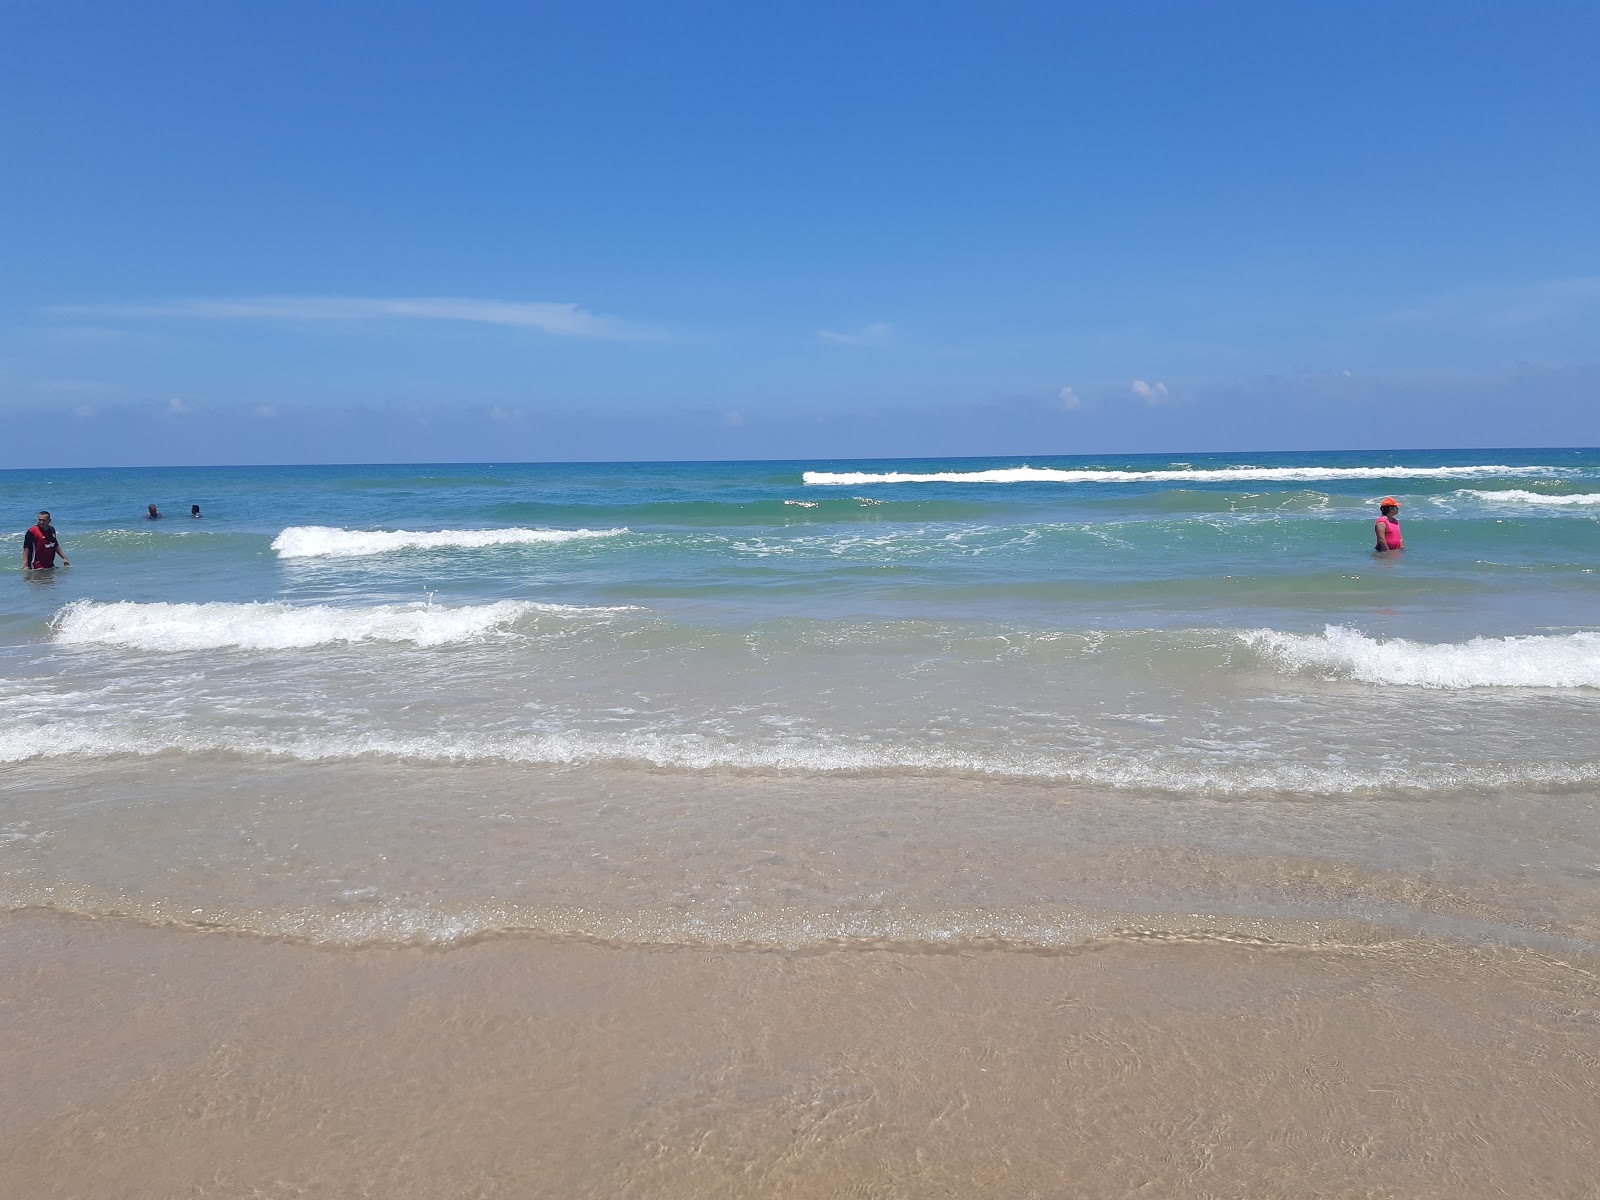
point(1388, 500)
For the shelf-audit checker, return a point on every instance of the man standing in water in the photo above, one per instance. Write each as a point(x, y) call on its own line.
point(1387, 526)
point(40, 547)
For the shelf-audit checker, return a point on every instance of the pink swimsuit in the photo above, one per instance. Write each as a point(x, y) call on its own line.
point(1389, 530)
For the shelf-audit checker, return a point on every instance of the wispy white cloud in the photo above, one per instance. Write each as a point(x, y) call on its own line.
point(73, 387)
point(562, 320)
point(1150, 393)
point(177, 406)
point(875, 334)
point(733, 418)
point(84, 333)
point(1067, 400)
point(1510, 304)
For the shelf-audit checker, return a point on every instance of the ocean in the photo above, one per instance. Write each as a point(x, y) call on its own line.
point(1027, 702)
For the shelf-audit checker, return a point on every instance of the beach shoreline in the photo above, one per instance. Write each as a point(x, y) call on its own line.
point(1070, 837)
point(164, 1061)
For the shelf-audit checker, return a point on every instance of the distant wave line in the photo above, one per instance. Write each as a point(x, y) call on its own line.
point(324, 541)
point(1026, 474)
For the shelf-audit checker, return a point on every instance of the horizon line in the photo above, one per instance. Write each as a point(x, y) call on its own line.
point(1021, 459)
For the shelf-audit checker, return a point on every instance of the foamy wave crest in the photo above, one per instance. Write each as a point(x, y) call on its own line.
point(268, 626)
point(1514, 496)
point(324, 541)
point(1053, 475)
point(441, 923)
point(1570, 660)
point(696, 752)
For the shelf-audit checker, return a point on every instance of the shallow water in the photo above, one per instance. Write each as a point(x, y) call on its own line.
point(797, 704)
point(221, 1066)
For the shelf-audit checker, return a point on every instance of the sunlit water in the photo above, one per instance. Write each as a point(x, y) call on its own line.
point(801, 702)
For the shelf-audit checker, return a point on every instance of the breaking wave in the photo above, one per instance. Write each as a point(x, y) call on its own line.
point(1025, 474)
point(272, 626)
point(1515, 496)
point(1570, 660)
point(323, 541)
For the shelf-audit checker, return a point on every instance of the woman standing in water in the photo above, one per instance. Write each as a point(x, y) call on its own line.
point(1387, 526)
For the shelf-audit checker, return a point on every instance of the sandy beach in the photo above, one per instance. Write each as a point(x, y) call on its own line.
point(157, 1061)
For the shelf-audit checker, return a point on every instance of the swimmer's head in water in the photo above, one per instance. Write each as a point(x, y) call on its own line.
point(1388, 506)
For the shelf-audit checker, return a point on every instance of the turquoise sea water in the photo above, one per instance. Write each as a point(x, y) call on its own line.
point(1491, 551)
point(1161, 632)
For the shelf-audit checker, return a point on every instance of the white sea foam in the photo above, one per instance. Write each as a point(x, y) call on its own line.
point(1569, 660)
point(1025, 474)
point(268, 626)
point(324, 541)
point(1515, 496)
point(697, 752)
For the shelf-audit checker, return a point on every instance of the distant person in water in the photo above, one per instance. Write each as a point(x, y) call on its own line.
point(194, 511)
point(1387, 526)
point(40, 546)
point(152, 515)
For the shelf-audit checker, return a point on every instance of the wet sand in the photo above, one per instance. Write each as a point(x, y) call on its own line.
point(165, 1062)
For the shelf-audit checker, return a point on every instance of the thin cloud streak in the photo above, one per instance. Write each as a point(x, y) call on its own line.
point(1510, 304)
point(875, 334)
point(560, 320)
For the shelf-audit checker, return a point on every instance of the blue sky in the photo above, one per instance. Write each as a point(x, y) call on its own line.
point(397, 231)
